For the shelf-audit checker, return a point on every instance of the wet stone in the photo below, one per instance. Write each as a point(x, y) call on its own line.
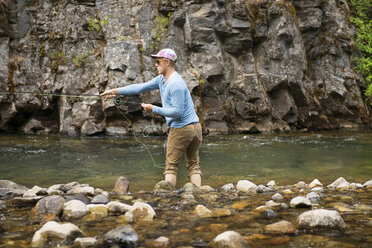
point(25, 201)
point(300, 202)
point(122, 236)
point(85, 242)
point(322, 220)
point(121, 186)
point(69, 186)
point(228, 187)
point(49, 205)
point(191, 188)
point(228, 239)
point(263, 189)
point(277, 197)
point(100, 199)
point(79, 197)
point(313, 197)
point(270, 214)
point(281, 227)
point(163, 186)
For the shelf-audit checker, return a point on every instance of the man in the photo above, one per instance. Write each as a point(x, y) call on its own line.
point(185, 134)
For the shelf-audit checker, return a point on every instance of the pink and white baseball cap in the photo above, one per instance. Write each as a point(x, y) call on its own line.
point(166, 53)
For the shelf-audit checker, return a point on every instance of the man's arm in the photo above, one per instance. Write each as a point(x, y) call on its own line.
point(177, 103)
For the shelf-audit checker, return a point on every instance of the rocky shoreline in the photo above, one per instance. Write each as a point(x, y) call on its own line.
point(235, 215)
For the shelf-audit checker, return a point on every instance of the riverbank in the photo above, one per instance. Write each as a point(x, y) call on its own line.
point(240, 213)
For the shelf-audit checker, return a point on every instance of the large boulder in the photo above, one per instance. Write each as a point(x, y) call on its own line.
point(122, 236)
point(75, 209)
point(281, 227)
point(321, 220)
point(66, 232)
point(121, 186)
point(49, 205)
point(246, 186)
point(10, 189)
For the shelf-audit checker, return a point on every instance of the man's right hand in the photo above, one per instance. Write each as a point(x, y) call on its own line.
point(110, 93)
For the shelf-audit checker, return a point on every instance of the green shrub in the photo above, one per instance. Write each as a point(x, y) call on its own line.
point(57, 58)
point(361, 18)
point(160, 28)
point(81, 60)
point(95, 23)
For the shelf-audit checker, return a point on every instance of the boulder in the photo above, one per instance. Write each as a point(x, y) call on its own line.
point(228, 187)
point(100, 199)
point(122, 236)
point(313, 197)
point(368, 183)
point(277, 197)
point(79, 197)
point(142, 211)
point(35, 191)
point(271, 184)
point(163, 186)
point(121, 186)
point(75, 209)
point(11, 189)
point(203, 211)
point(207, 189)
point(228, 239)
point(69, 186)
point(317, 189)
point(315, 183)
point(85, 242)
point(321, 220)
point(191, 188)
point(161, 242)
point(55, 189)
point(118, 207)
point(300, 202)
point(281, 227)
point(269, 213)
point(53, 229)
point(84, 190)
point(49, 205)
point(25, 201)
point(246, 186)
point(340, 183)
point(263, 189)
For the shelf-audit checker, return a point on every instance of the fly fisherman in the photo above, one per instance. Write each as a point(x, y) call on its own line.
point(185, 135)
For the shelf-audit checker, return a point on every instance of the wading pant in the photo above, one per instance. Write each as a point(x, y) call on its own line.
point(185, 140)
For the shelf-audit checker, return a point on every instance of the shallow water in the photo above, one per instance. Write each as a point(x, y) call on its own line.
point(99, 161)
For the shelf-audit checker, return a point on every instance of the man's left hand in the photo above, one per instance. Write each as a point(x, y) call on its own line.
point(147, 107)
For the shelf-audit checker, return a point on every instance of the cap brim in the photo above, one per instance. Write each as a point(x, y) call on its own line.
point(156, 56)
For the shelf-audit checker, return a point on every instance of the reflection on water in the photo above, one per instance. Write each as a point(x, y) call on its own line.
point(99, 161)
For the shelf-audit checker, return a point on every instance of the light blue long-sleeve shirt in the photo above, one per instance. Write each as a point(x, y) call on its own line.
point(178, 108)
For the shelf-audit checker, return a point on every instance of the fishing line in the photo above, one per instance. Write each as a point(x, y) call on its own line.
point(117, 101)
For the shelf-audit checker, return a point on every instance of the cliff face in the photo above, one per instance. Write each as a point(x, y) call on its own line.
point(252, 66)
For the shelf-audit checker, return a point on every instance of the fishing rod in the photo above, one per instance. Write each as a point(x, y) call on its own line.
point(117, 101)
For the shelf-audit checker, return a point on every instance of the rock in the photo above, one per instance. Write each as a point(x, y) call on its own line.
point(317, 189)
point(221, 212)
point(277, 197)
point(84, 190)
point(191, 188)
point(262, 189)
point(163, 186)
point(239, 205)
point(287, 192)
point(24, 201)
point(142, 211)
point(203, 211)
point(79, 197)
point(271, 184)
point(49, 205)
point(284, 206)
point(118, 207)
point(313, 197)
point(272, 204)
point(35, 191)
point(300, 184)
point(270, 213)
point(11, 189)
point(69, 186)
point(210, 197)
point(75, 209)
point(85, 242)
point(368, 183)
point(55, 230)
point(98, 210)
point(188, 198)
point(100, 199)
point(300, 202)
point(281, 227)
point(207, 189)
point(55, 189)
point(121, 186)
point(228, 187)
point(161, 242)
point(228, 239)
point(122, 236)
point(340, 183)
point(324, 220)
point(246, 186)
point(315, 183)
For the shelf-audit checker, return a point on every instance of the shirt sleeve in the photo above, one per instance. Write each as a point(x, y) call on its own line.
point(135, 89)
point(177, 97)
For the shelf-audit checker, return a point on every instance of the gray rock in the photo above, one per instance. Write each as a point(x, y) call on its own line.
point(11, 189)
point(340, 182)
point(368, 183)
point(122, 236)
point(300, 202)
point(263, 189)
point(228, 187)
point(270, 213)
point(69, 186)
point(85, 190)
point(163, 186)
point(49, 205)
point(74, 209)
point(100, 199)
point(228, 239)
point(35, 191)
point(86, 242)
point(79, 197)
point(191, 188)
point(25, 201)
point(284, 206)
point(121, 186)
point(317, 189)
point(277, 197)
point(321, 220)
point(246, 186)
point(313, 197)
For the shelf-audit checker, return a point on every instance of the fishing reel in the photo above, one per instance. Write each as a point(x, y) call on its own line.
point(118, 101)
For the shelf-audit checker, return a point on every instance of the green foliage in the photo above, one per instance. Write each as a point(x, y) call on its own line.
point(362, 19)
point(95, 23)
point(57, 58)
point(82, 59)
point(41, 50)
point(161, 26)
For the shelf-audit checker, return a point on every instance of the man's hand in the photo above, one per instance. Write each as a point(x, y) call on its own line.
point(147, 107)
point(110, 93)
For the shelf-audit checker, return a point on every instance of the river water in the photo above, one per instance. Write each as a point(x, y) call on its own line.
point(99, 161)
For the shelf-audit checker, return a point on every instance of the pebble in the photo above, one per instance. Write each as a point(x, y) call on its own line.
point(277, 197)
point(228, 187)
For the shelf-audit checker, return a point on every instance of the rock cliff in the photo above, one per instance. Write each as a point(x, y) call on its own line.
point(252, 66)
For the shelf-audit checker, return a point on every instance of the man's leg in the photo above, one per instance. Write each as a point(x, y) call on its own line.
point(192, 156)
point(171, 178)
point(196, 179)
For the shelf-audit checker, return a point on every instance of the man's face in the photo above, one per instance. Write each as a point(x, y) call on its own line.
point(161, 65)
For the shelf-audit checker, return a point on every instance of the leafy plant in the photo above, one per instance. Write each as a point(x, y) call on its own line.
point(81, 60)
point(361, 18)
point(41, 50)
point(161, 27)
point(95, 23)
point(57, 58)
